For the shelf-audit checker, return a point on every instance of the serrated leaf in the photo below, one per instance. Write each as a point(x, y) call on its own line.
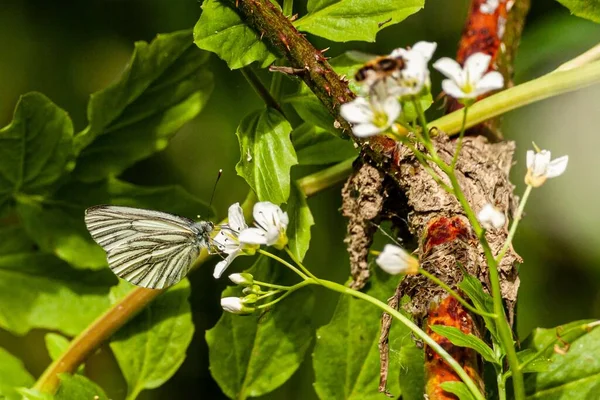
point(461, 339)
point(253, 355)
point(459, 389)
point(301, 220)
point(165, 86)
point(12, 375)
point(346, 355)
point(266, 154)
point(574, 370)
point(78, 387)
point(151, 347)
point(588, 9)
point(38, 290)
point(36, 148)
point(221, 30)
point(481, 300)
point(315, 146)
point(346, 20)
point(56, 224)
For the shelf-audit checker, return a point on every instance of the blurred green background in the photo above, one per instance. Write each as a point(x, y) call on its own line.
point(69, 49)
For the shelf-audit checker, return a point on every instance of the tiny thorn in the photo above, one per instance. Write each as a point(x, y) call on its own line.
point(293, 17)
point(387, 21)
point(287, 70)
point(324, 50)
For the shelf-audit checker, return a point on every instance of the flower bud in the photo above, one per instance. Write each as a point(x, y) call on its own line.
point(235, 305)
point(243, 279)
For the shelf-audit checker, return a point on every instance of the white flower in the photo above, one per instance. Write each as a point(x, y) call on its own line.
point(395, 260)
point(471, 81)
point(235, 305)
point(227, 241)
point(373, 115)
point(540, 168)
point(415, 74)
point(244, 279)
point(490, 217)
point(271, 223)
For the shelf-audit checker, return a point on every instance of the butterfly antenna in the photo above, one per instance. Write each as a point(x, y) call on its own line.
point(215, 187)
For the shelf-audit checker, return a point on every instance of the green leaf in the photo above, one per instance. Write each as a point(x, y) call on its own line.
point(409, 111)
point(253, 355)
point(56, 345)
point(346, 355)
point(221, 30)
point(266, 154)
point(301, 220)
point(40, 291)
point(346, 20)
point(481, 300)
point(36, 148)
point(165, 86)
point(574, 372)
point(57, 224)
point(461, 339)
point(33, 394)
point(536, 362)
point(12, 375)
point(151, 347)
point(78, 387)
point(589, 9)
point(315, 146)
point(459, 389)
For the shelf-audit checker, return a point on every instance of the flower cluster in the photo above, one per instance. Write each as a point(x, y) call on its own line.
point(236, 238)
point(381, 106)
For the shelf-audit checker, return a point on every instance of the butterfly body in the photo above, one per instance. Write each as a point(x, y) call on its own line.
point(148, 248)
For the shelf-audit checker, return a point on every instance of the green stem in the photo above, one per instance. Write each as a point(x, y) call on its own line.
point(286, 294)
point(271, 285)
point(460, 138)
point(269, 294)
point(331, 176)
point(454, 294)
point(299, 263)
point(549, 85)
point(414, 328)
point(515, 224)
point(501, 385)
point(281, 260)
point(260, 89)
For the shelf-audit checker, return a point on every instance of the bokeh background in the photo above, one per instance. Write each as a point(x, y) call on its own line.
point(69, 49)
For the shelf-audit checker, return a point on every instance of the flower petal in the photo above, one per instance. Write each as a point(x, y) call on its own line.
point(451, 69)
point(395, 260)
point(236, 219)
point(452, 89)
point(530, 158)
point(490, 217)
point(490, 81)
point(541, 162)
point(557, 167)
point(365, 130)
point(476, 65)
point(426, 49)
point(392, 109)
point(357, 111)
point(253, 236)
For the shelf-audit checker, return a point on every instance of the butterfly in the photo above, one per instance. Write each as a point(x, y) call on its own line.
point(148, 248)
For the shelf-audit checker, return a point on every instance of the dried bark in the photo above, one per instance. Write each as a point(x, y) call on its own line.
point(362, 202)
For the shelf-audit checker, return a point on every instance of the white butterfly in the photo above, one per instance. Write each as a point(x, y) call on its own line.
point(148, 248)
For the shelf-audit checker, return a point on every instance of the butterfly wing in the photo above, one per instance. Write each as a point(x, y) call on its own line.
point(148, 248)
